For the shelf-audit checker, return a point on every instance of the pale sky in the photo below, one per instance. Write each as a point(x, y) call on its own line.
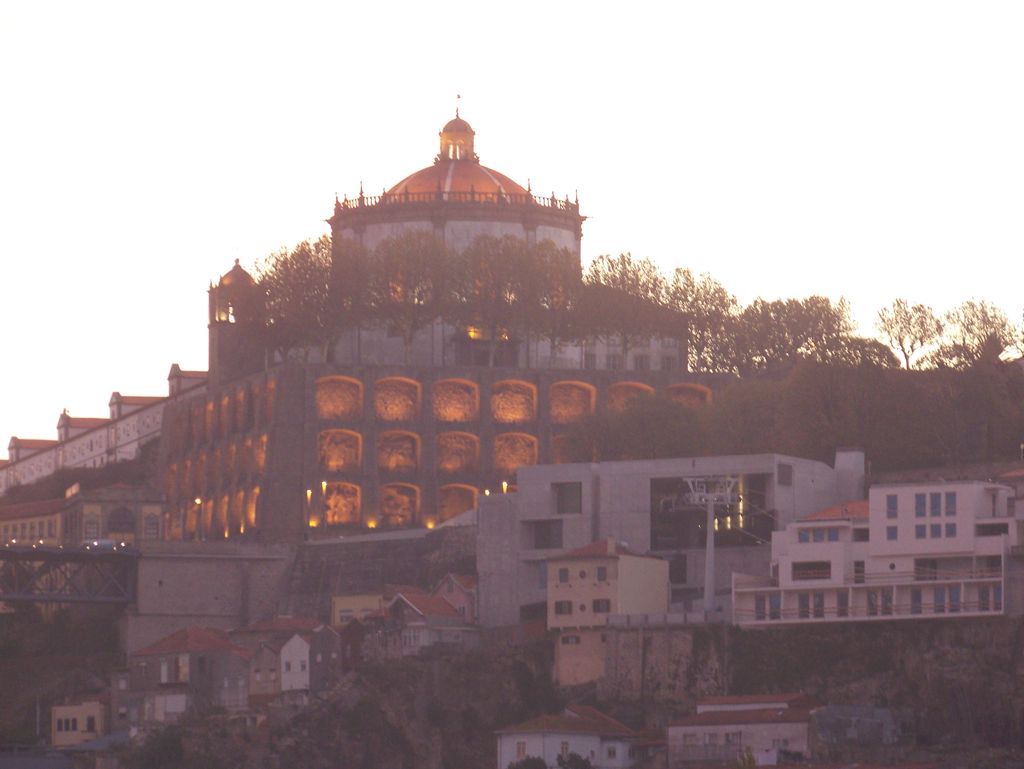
point(860, 149)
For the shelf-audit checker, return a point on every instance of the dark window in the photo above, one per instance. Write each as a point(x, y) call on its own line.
point(940, 600)
point(803, 570)
point(954, 598)
point(774, 606)
point(833, 535)
point(668, 363)
point(950, 529)
point(818, 535)
point(563, 575)
point(936, 530)
point(613, 361)
point(991, 529)
point(602, 605)
point(563, 607)
point(803, 535)
point(568, 497)
point(572, 640)
point(90, 723)
point(602, 573)
point(804, 605)
point(891, 505)
point(842, 604)
point(891, 532)
point(861, 535)
point(983, 602)
point(589, 360)
point(819, 604)
point(677, 570)
point(641, 362)
point(858, 572)
point(545, 535)
point(760, 607)
point(920, 502)
point(935, 503)
point(920, 531)
point(785, 474)
point(915, 600)
point(950, 503)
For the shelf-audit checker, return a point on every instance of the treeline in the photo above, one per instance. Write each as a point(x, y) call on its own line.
point(506, 289)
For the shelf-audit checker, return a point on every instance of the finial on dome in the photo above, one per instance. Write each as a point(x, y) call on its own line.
point(236, 263)
point(457, 140)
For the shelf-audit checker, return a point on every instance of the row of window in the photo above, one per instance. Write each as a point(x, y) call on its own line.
point(924, 531)
point(598, 606)
point(945, 598)
point(71, 724)
point(818, 535)
point(601, 575)
point(691, 739)
point(613, 362)
point(924, 504)
point(30, 530)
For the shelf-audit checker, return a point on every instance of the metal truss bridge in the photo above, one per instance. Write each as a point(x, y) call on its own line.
point(67, 575)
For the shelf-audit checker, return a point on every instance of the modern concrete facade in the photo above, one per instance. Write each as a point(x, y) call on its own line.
point(913, 551)
point(655, 506)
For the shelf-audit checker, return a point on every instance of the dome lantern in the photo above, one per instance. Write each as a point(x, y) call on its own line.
point(457, 140)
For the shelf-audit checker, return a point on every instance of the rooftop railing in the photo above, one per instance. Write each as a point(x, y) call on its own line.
point(482, 198)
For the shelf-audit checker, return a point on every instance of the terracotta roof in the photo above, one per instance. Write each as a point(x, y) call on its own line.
point(466, 581)
point(282, 625)
point(752, 699)
point(86, 423)
point(428, 605)
point(1013, 474)
point(739, 717)
point(586, 721)
point(194, 639)
point(458, 176)
point(603, 548)
point(855, 510)
point(31, 509)
point(140, 400)
point(32, 443)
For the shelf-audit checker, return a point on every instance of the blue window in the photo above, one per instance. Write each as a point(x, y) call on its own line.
point(950, 503)
point(935, 503)
point(954, 598)
point(919, 505)
point(920, 531)
point(890, 532)
point(891, 505)
point(833, 535)
point(819, 535)
point(774, 606)
point(950, 529)
point(936, 530)
point(803, 535)
point(939, 605)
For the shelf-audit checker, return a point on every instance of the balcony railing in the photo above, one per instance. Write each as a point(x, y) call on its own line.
point(483, 198)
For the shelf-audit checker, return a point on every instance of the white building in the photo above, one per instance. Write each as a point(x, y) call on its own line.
point(725, 728)
point(914, 551)
point(579, 729)
point(295, 664)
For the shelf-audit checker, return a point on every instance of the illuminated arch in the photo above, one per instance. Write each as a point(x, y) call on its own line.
point(396, 399)
point(690, 394)
point(340, 451)
point(236, 522)
point(268, 401)
point(260, 453)
point(514, 450)
point(621, 393)
point(458, 452)
point(342, 504)
point(561, 451)
point(455, 499)
point(250, 506)
point(225, 414)
point(455, 400)
point(398, 451)
point(399, 505)
point(572, 401)
point(512, 401)
point(339, 397)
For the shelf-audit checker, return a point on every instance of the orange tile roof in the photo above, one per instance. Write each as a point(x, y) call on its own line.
point(140, 400)
point(855, 510)
point(428, 605)
point(576, 720)
point(87, 423)
point(603, 548)
point(33, 443)
point(194, 639)
point(740, 717)
point(31, 509)
point(1013, 474)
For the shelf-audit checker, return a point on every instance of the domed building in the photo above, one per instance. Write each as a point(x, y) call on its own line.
point(377, 436)
point(458, 198)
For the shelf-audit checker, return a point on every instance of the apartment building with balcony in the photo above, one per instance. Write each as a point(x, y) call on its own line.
point(912, 551)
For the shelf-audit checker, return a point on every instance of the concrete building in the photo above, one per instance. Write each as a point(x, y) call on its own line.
point(656, 506)
point(724, 728)
point(74, 723)
point(579, 729)
point(588, 585)
point(913, 551)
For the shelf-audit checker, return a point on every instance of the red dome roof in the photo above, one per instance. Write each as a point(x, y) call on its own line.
point(457, 176)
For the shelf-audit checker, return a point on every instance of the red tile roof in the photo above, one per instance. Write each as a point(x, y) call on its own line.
point(603, 548)
point(428, 605)
point(86, 423)
point(31, 509)
point(194, 639)
point(740, 717)
point(855, 510)
point(33, 443)
point(141, 400)
point(577, 719)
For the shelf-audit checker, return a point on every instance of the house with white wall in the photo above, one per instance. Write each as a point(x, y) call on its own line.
point(914, 551)
point(579, 729)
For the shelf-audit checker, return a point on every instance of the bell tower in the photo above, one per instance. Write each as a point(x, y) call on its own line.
point(235, 346)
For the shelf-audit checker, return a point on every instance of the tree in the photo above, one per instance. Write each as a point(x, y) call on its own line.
point(296, 284)
point(530, 762)
point(908, 328)
point(493, 289)
point(573, 761)
point(972, 329)
point(554, 280)
point(706, 312)
point(351, 303)
point(625, 298)
point(409, 283)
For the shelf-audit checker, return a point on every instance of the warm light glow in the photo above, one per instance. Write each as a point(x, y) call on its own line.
point(371, 524)
point(474, 333)
point(739, 520)
point(728, 521)
point(487, 492)
point(504, 487)
point(309, 495)
point(430, 524)
point(323, 487)
point(313, 523)
point(197, 501)
point(716, 524)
